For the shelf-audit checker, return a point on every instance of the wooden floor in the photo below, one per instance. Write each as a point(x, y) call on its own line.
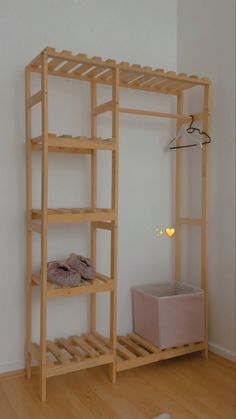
point(187, 387)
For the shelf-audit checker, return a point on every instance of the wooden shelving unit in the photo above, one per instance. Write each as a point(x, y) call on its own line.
point(89, 350)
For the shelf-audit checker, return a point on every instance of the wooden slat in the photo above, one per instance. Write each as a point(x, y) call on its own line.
point(138, 361)
point(103, 225)
point(34, 350)
point(98, 70)
point(81, 60)
point(33, 100)
point(84, 288)
point(126, 67)
point(166, 82)
point(81, 69)
point(65, 150)
point(71, 64)
point(83, 143)
point(104, 107)
point(97, 344)
point(145, 344)
point(85, 346)
point(183, 86)
point(169, 75)
point(154, 83)
point(53, 348)
point(103, 277)
point(77, 366)
point(132, 346)
point(77, 142)
point(36, 278)
point(163, 81)
point(183, 350)
point(55, 62)
point(102, 339)
point(142, 78)
point(107, 75)
point(140, 71)
point(70, 348)
point(108, 81)
point(75, 216)
point(37, 61)
point(158, 355)
point(127, 76)
point(151, 79)
point(126, 353)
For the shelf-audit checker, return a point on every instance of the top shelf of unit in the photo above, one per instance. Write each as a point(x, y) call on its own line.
point(66, 64)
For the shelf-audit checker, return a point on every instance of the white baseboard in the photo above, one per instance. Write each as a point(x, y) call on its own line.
point(222, 352)
point(11, 366)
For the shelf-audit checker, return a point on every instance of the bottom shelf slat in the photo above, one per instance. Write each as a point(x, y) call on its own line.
point(73, 354)
point(91, 350)
point(135, 351)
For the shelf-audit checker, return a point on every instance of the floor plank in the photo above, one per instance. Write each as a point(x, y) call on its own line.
point(188, 387)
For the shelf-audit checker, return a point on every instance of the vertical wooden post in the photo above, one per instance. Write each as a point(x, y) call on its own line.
point(44, 224)
point(28, 226)
point(114, 238)
point(93, 240)
point(204, 226)
point(178, 195)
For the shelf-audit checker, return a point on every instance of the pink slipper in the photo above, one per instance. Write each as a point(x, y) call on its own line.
point(62, 274)
point(82, 265)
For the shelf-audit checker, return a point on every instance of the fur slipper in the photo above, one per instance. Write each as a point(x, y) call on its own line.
point(82, 265)
point(62, 274)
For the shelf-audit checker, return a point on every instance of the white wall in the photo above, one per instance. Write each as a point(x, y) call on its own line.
point(124, 30)
point(206, 47)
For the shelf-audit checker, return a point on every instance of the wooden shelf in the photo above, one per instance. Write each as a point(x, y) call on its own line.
point(134, 351)
point(133, 76)
point(73, 215)
point(101, 283)
point(69, 144)
point(73, 354)
point(91, 350)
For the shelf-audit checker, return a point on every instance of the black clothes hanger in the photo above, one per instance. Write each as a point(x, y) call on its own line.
point(188, 131)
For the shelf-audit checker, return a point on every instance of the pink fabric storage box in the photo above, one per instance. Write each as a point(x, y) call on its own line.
point(169, 314)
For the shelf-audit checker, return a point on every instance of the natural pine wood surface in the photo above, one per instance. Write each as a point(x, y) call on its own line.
point(186, 388)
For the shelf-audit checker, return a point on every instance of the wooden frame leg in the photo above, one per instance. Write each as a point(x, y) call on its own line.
point(204, 226)
point(114, 237)
point(44, 222)
point(93, 246)
point(29, 232)
point(178, 196)
point(93, 297)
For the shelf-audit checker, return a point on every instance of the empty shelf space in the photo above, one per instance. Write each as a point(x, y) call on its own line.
point(70, 215)
point(134, 351)
point(69, 144)
point(66, 64)
point(101, 283)
point(73, 354)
